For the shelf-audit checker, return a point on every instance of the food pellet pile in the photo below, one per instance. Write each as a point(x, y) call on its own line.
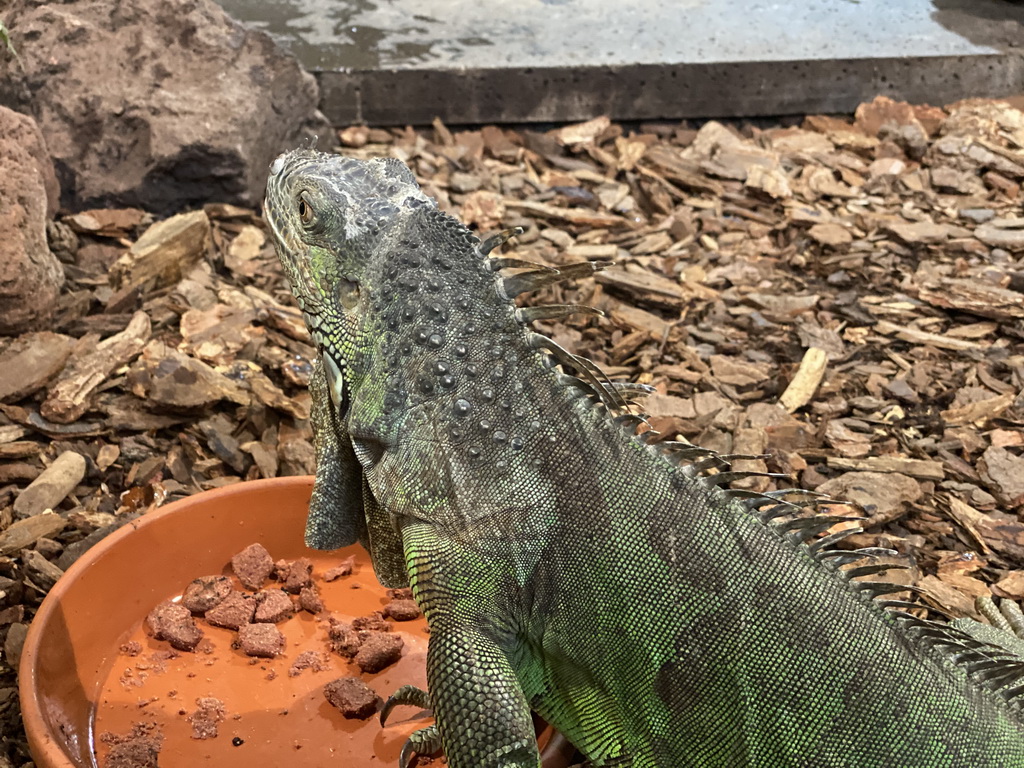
point(255, 601)
point(254, 611)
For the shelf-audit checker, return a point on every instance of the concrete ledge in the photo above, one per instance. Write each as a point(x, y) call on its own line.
point(654, 91)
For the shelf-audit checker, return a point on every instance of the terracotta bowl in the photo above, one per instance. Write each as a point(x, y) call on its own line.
point(77, 683)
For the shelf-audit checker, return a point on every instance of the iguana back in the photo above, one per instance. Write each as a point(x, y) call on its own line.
point(564, 564)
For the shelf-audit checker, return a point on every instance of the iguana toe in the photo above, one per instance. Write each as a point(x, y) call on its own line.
point(425, 741)
point(1014, 617)
point(409, 695)
point(1005, 628)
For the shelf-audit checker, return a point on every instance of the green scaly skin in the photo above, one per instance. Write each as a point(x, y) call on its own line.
point(563, 565)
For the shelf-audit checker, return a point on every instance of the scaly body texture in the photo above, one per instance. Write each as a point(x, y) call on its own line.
point(564, 565)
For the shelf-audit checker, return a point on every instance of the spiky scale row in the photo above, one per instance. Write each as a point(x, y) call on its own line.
point(525, 282)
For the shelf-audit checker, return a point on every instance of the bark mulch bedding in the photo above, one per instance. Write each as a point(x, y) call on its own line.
point(846, 295)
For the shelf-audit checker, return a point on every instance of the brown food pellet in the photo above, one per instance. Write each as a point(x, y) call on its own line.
point(298, 575)
point(264, 640)
point(206, 592)
point(139, 748)
point(374, 622)
point(343, 640)
point(174, 623)
point(402, 593)
point(402, 610)
point(209, 712)
point(131, 648)
point(273, 605)
point(378, 650)
point(159, 659)
point(234, 612)
point(314, 660)
point(354, 698)
point(253, 565)
point(344, 568)
point(309, 599)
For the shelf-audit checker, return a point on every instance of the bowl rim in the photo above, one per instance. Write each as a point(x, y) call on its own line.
point(44, 748)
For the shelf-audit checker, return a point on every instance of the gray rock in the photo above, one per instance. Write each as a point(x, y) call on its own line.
point(30, 275)
point(977, 215)
point(1002, 233)
point(160, 104)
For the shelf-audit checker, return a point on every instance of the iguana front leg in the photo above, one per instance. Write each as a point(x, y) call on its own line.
point(481, 713)
point(482, 716)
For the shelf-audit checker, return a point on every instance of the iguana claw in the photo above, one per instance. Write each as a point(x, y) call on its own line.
point(499, 239)
point(406, 753)
point(407, 694)
point(425, 741)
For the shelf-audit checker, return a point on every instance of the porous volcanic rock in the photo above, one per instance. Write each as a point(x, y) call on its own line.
point(30, 275)
point(159, 104)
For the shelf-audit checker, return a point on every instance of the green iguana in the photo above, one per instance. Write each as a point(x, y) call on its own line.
point(566, 565)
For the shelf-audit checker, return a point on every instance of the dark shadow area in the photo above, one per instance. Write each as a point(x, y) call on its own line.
point(995, 23)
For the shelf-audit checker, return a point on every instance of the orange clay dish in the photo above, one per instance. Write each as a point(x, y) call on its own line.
point(100, 689)
point(91, 673)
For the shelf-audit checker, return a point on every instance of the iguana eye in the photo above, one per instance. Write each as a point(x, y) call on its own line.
point(306, 211)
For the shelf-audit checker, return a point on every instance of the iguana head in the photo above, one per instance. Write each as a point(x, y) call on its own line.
point(329, 216)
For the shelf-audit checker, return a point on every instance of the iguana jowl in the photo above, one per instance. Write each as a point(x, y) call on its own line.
point(563, 564)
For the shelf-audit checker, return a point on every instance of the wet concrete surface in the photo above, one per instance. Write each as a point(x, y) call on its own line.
point(405, 61)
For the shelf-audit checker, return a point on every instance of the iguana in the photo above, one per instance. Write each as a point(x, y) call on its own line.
point(566, 564)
